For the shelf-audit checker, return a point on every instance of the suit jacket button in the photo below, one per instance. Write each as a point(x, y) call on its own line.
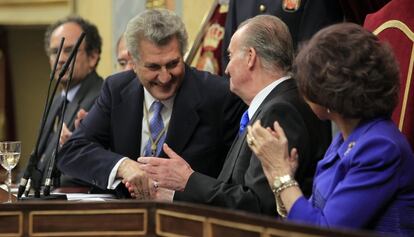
point(262, 8)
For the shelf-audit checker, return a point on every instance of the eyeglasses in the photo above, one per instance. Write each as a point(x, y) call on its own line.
point(52, 52)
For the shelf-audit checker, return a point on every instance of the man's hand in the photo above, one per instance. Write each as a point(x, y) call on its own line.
point(65, 134)
point(79, 116)
point(163, 194)
point(134, 179)
point(170, 173)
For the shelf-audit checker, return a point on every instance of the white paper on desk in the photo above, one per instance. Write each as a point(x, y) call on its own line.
point(89, 197)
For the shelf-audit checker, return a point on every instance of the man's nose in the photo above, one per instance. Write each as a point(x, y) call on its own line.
point(63, 57)
point(164, 76)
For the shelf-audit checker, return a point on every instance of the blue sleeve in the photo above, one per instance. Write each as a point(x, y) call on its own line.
point(369, 182)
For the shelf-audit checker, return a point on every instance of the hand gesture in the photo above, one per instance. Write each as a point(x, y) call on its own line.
point(271, 148)
point(134, 179)
point(170, 173)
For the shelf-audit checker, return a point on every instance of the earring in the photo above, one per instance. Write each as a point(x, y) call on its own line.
point(328, 110)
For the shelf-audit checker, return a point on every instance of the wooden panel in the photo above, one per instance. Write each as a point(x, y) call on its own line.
point(171, 223)
point(146, 218)
point(11, 223)
point(129, 222)
point(281, 233)
point(218, 227)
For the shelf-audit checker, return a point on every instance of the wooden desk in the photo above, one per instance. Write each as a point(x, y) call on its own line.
point(139, 218)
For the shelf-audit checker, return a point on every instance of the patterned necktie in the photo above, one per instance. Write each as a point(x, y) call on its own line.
point(156, 127)
point(243, 122)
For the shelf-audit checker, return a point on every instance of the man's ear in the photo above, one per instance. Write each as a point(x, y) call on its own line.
point(252, 57)
point(93, 59)
point(132, 61)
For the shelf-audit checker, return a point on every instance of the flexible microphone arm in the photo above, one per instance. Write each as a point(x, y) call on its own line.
point(32, 171)
point(71, 56)
point(33, 159)
point(51, 169)
point(37, 175)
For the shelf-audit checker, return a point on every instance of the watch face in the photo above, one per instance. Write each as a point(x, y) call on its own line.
point(277, 183)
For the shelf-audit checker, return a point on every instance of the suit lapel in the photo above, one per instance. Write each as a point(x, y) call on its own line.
point(232, 157)
point(50, 120)
point(73, 107)
point(184, 118)
point(238, 145)
point(128, 115)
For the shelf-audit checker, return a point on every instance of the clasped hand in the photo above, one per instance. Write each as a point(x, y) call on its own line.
point(170, 174)
point(155, 178)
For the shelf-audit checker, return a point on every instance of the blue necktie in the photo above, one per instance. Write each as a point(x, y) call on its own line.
point(156, 127)
point(243, 122)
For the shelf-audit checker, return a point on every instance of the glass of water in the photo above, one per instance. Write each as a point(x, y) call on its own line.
point(9, 157)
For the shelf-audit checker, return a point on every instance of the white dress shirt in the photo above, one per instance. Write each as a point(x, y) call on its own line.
point(259, 98)
point(166, 116)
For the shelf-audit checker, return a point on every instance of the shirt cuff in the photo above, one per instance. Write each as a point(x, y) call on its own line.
point(112, 181)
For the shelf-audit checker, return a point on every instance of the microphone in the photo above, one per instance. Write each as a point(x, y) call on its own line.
point(32, 172)
point(34, 157)
point(52, 170)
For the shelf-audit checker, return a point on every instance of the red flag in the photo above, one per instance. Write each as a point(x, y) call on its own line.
point(394, 23)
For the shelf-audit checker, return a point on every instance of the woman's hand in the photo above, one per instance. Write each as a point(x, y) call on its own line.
point(271, 147)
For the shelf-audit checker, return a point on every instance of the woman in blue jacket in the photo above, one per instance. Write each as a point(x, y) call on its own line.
point(366, 179)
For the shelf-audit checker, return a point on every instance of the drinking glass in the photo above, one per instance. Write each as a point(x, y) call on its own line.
point(9, 157)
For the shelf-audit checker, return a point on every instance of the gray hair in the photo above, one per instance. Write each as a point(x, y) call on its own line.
point(271, 39)
point(159, 26)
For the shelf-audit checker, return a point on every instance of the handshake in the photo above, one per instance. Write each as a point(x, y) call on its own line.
point(155, 178)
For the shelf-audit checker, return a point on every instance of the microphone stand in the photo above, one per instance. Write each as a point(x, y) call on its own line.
point(34, 157)
point(32, 171)
point(52, 170)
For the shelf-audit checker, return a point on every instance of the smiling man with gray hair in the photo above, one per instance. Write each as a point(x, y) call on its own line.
point(161, 100)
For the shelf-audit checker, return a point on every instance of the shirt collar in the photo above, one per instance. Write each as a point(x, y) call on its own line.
point(149, 99)
point(71, 93)
point(261, 96)
point(342, 147)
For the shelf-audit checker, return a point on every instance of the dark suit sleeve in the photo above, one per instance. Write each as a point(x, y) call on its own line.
point(252, 192)
point(84, 155)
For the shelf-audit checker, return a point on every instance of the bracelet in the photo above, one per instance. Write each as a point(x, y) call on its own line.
point(280, 208)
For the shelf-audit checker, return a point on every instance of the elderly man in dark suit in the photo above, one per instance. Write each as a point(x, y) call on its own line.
point(161, 100)
point(261, 54)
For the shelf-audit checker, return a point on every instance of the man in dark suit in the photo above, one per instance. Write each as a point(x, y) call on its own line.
point(261, 54)
point(84, 88)
point(162, 99)
point(303, 17)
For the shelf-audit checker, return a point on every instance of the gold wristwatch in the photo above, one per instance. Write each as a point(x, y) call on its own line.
point(280, 181)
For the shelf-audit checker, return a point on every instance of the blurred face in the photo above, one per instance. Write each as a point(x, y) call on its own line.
point(237, 66)
point(160, 68)
point(122, 56)
point(84, 63)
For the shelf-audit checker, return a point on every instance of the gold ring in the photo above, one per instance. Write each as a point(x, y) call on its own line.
point(250, 140)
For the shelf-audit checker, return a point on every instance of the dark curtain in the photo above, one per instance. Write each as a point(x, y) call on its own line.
point(7, 123)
